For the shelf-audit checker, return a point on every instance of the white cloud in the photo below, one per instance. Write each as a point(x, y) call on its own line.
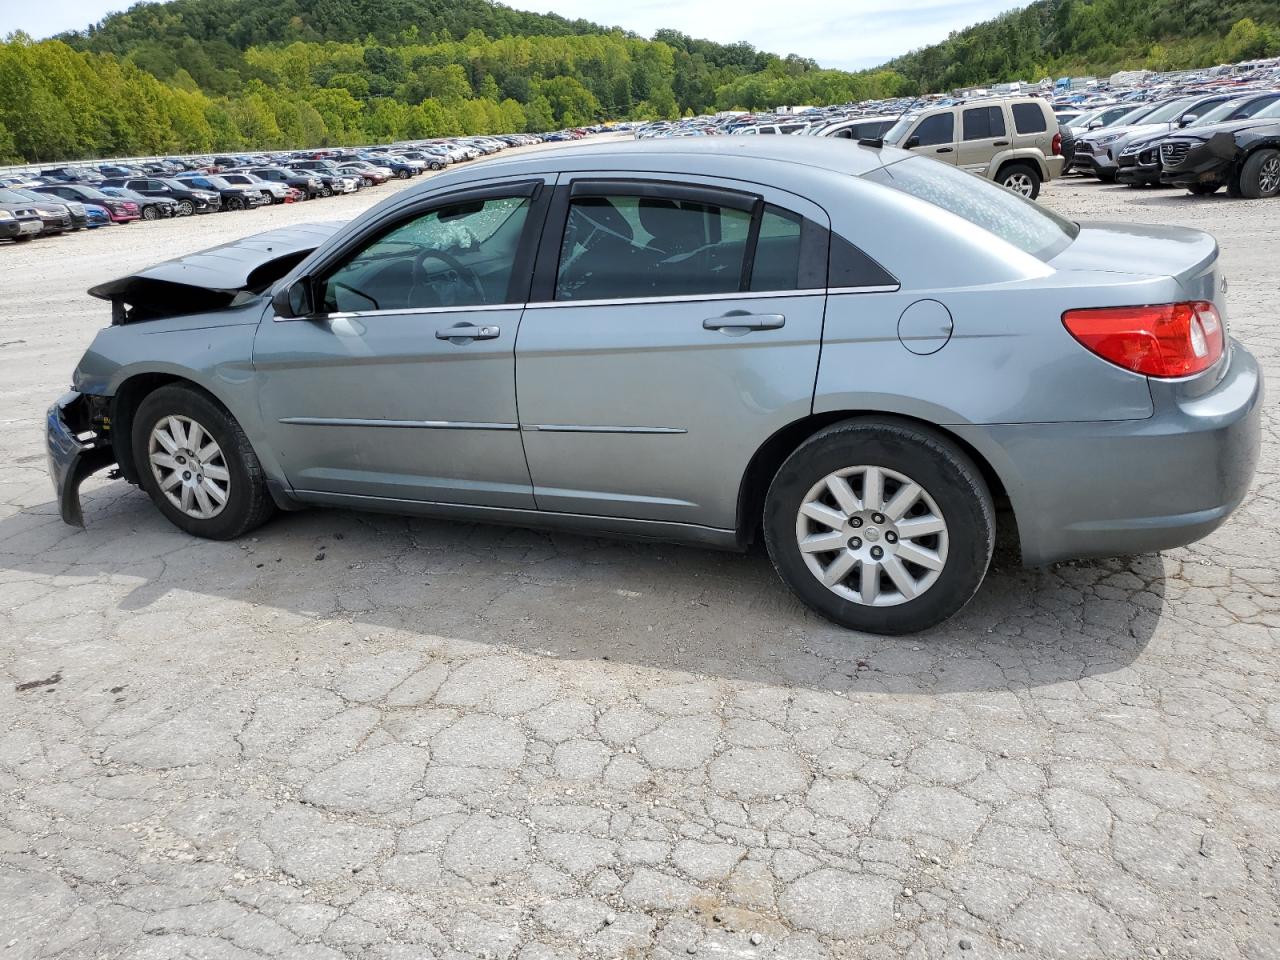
point(850, 34)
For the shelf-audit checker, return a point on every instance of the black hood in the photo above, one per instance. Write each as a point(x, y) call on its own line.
point(212, 279)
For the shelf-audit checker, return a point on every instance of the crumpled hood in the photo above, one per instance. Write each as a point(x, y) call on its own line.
point(212, 279)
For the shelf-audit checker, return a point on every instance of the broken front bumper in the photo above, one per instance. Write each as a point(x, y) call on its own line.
point(76, 449)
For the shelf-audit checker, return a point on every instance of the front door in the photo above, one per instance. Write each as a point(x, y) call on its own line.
point(673, 329)
point(402, 386)
point(935, 136)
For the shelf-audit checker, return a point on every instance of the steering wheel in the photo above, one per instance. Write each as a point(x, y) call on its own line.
point(464, 274)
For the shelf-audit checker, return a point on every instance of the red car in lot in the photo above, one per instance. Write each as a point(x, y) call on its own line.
point(119, 210)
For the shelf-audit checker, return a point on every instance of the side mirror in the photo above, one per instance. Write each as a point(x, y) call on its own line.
point(1187, 120)
point(911, 143)
point(1096, 125)
point(293, 300)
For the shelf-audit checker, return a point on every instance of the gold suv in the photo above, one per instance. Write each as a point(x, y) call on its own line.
point(1014, 141)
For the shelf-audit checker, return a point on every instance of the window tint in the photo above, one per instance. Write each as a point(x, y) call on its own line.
point(1021, 222)
point(777, 260)
point(983, 123)
point(845, 134)
point(1029, 118)
point(624, 247)
point(454, 256)
point(939, 128)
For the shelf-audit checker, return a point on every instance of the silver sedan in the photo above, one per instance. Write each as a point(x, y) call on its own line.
point(867, 359)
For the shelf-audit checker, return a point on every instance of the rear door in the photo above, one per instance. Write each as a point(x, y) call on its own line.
point(673, 328)
point(983, 134)
point(401, 386)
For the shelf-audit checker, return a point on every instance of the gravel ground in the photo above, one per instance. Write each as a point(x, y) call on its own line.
point(366, 736)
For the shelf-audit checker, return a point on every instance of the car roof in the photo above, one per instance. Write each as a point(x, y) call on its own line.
point(839, 156)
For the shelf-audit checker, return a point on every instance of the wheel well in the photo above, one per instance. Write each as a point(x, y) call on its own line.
point(764, 465)
point(1020, 162)
point(125, 404)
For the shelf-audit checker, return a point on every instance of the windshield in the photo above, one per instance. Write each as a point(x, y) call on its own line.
point(1133, 116)
point(175, 184)
point(8, 196)
point(899, 129)
point(1167, 112)
point(1014, 219)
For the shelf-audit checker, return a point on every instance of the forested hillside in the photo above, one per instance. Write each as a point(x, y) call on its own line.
point(1052, 38)
point(203, 75)
point(198, 75)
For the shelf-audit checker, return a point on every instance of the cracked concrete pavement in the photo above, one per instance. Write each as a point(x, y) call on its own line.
point(446, 740)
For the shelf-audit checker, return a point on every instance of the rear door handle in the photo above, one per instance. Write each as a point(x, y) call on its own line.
point(741, 321)
point(467, 331)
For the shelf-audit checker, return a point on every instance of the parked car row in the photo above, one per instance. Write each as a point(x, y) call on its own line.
point(56, 199)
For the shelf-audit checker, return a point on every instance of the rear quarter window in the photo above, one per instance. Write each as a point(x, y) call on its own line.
point(1014, 219)
point(1029, 118)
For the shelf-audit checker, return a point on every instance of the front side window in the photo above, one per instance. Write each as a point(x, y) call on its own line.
point(1029, 118)
point(983, 123)
point(1009, 216)
point(457, 255)
point(937, 129)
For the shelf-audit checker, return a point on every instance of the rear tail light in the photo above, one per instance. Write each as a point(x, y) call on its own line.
point(1164, 340)
point(1057, 144)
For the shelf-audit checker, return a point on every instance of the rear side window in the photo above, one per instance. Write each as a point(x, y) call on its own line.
point(1014, 219)
point(983, 123)
point(777, 260)
point(1029, 118)
point(940, 128)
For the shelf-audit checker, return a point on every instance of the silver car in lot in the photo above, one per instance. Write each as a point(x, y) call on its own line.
point(865, 358)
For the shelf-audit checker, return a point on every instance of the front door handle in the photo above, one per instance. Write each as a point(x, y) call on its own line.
point(739, 321)
point(1000, 143)
point(468, 331)
point(945, 150)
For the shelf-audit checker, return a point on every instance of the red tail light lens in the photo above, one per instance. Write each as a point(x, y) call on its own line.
point(1164, 340)
point(1057, 144)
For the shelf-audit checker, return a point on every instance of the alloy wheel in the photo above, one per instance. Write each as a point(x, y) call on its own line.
point(872, 536)
point(189, 467)
point(1019, 183)
point(186, 208)
point(1269, 177)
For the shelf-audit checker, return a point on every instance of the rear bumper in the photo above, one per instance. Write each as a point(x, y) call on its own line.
point(1124, 487)
point(71, 459)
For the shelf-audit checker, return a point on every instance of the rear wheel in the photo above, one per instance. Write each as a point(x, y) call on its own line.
point(197, 465)
point(1021, 178)
point(1260, 175)
point(880, 526)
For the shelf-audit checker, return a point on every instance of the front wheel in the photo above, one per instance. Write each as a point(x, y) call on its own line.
point(186, 208)
point(233, 203)
point(326, 191)
point(197, 465)
point(150, 213)
point(402, 174)
point(880, 526)
point(1260, 175)
point(1022, 179)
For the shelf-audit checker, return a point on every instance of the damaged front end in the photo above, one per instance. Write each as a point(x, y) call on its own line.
point(78, 437)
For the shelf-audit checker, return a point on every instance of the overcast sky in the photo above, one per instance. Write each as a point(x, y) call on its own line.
point(837, 33)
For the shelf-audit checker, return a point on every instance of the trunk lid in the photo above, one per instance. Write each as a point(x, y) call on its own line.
point(1144, 250)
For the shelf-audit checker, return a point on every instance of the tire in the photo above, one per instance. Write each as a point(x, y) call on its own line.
point(247, 502)
point(150, 213)
point(436, 165)
point(402, 174)
point(1204, 189)
point(326, 191)
point(233, 203)
point(24, 239)
point(186, 208)
point(952, 489)
point(1260, 175)
point(1021, 178)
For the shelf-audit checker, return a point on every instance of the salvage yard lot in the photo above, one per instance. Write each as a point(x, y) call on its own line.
point(367, 736)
